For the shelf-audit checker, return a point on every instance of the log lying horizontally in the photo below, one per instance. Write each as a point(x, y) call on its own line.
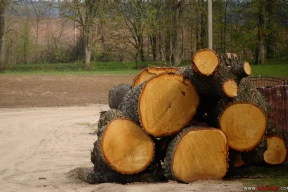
point(125, 147)
point(205, 62)
point(163, 105)
point(197, 153)
point(244, 125)
point(150, 72)
point(276, 152)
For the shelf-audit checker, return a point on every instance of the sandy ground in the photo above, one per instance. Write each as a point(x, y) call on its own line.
point(40, 146)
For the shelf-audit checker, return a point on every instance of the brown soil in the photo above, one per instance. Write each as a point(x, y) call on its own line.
point(41, 145)
point(52, 91)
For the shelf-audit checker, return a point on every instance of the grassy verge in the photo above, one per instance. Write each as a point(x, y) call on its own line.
point(273, 68)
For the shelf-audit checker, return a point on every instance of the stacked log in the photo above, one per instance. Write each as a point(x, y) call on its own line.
point(185, 124)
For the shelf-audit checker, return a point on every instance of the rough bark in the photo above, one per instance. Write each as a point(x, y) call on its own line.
point(221, 84)
point(197, 153)
point(116, 95)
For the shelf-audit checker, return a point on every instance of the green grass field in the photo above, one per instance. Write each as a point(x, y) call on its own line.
point(272, 68)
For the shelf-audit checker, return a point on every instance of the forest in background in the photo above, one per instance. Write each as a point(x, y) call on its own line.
point(163, 31)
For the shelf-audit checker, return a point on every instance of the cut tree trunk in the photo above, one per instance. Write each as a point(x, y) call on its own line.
point(150, 72)
point(197, 153)
point(205, 62)
point(223, 83)
point(125, 147)
point(163, 105)
point(276, 152)
point(244, 125)
point(116, 95)
point(241, 70)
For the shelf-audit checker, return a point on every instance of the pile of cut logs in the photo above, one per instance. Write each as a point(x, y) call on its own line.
point(185, 124)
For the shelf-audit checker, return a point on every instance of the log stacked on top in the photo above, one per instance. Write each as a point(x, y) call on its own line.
point(181, 123)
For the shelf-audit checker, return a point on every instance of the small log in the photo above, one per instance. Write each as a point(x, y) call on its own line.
point(163, 105)
point(241, 70)
point(276, 152)
point(197, 153)
point(244, 125)
point(125, 147)
point(150, 72)
point(205, 62)
point(116, 95)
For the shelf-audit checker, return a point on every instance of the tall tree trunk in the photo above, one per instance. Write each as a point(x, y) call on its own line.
point(153, 42)
point(260, 54)
point(87, 33)
point(272, 33)
point(2, 36)
point(141, 48)
point(87, 50)
point(177, 32)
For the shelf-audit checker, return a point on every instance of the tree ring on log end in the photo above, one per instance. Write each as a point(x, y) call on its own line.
point(230, 88)
point(205, 62)
point(126, 147)
point(167, 104)
point(276, 151)
point(244, 124)
point(201, 154)
point(150, 72)
point(247, 68)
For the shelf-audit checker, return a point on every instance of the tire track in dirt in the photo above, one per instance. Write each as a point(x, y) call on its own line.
point(40, 146)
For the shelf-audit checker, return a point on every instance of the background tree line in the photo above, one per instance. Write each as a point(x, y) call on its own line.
point(165, 31)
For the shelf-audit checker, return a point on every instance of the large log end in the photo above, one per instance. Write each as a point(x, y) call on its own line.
point(126, 147)
point(244, 125)
point(167, 104)
point(197, 154)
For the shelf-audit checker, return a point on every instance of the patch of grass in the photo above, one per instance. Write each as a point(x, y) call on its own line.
point(83, 72)
point(272, 68)
point(278, 70)
point(266, 175)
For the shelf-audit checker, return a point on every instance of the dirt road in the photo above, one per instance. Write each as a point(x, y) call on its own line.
point(40, 146)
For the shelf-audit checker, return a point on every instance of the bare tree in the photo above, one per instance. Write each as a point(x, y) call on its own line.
point(83, 12)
